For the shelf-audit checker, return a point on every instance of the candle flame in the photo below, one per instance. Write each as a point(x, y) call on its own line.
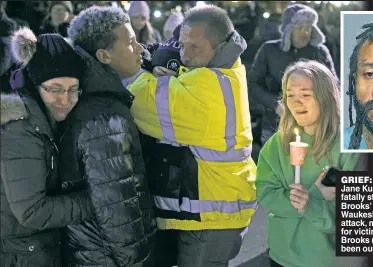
point(296, 131)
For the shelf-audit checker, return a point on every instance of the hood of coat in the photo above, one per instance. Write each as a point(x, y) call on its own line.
point(20, 106)
point(229, 52)
point(12, 108)
point(100, 78)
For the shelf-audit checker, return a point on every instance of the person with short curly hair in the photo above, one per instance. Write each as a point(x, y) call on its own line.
point(102, 32)
point(105, 150)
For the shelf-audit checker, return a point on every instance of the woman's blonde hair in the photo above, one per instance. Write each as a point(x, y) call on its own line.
point(326, 93)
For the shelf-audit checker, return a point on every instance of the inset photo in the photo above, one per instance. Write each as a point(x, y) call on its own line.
point(357, 81)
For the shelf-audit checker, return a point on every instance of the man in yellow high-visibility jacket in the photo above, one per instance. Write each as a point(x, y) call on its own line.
point(202, 174)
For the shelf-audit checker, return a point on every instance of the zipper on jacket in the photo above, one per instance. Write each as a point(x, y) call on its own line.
point(55, 146)
point(58, 152)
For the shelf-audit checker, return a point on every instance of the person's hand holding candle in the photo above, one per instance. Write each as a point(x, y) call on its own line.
point(299, 197)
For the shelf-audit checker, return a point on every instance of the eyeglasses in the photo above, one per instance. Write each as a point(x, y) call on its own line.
point(72, 93)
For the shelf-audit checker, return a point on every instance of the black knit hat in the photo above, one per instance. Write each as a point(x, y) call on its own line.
point(168, 54)
point(46, 57)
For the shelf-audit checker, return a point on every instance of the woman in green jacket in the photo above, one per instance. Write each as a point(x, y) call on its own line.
point(301, 223)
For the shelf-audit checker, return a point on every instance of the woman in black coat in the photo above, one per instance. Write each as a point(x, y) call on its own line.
point(58, 18)
point(32, 210)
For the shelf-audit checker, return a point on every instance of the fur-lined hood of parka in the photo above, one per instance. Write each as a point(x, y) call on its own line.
point(12, 108)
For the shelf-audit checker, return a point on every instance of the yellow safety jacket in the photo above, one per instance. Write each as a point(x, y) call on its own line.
point(206, 110)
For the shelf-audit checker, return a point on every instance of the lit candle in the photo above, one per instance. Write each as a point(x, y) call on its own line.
point(298, 136)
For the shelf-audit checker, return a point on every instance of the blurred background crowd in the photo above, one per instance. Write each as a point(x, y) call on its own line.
point(154, 21)
point(257, 21)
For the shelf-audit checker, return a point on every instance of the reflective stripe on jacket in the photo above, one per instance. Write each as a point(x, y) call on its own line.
point(207, 111)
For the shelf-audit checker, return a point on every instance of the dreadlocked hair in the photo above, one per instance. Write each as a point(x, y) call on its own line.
point(361, 111)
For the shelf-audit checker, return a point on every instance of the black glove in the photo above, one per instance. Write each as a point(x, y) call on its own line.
point(147, 56)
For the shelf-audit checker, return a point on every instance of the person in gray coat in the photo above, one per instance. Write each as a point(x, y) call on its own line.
point(300, 39)
point(32, 208)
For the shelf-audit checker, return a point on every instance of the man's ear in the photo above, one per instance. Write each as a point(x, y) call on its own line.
point(103, 56)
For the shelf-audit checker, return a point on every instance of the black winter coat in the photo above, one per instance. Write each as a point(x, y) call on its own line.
point(101, 154)
point(31, 208)
point(265, 74)
point(47, 27)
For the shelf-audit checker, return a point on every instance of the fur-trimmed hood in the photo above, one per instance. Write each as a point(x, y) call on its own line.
point(12, 108)
point(300, 14)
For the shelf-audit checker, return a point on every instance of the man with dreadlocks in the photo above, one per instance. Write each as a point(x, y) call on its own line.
point(360, 91)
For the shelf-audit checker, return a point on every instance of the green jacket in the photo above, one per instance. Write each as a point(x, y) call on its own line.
point(294, 239)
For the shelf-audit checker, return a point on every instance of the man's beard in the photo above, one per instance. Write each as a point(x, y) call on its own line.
point(363, 113)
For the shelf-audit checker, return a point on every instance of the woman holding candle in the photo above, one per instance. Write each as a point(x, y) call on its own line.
point(301, 226)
